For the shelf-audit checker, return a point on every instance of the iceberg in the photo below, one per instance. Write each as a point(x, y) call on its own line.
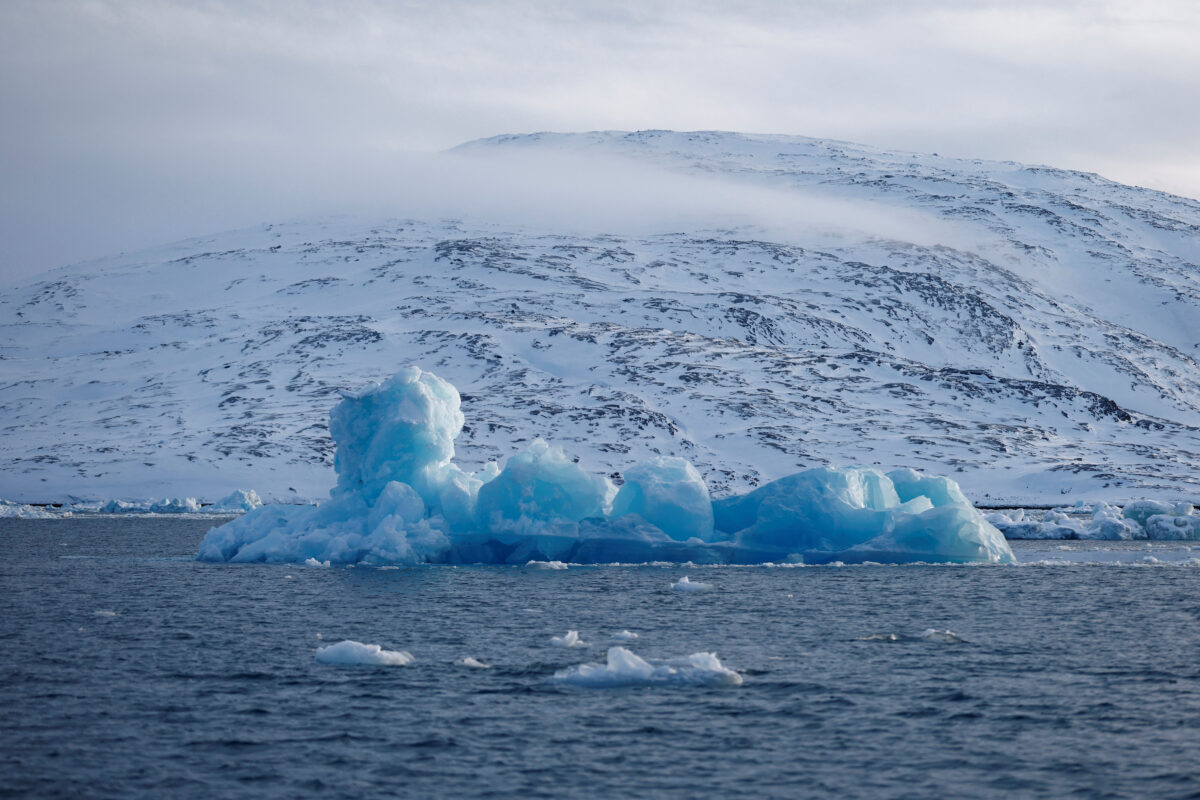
point(668, 493)
point(860, 514)
point(167, 505)
point(1141, 519)
point(571, 639)
point(237, 502)
point(11, 510)
point(625, 668)
point(399, 498)
point(685, 585)
point(349, 653)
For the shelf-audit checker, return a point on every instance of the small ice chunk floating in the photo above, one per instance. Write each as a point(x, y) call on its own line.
point(401, 499)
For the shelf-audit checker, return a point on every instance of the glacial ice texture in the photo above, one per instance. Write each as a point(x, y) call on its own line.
point(401, 499)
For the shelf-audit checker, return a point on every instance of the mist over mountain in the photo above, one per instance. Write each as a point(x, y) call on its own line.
point(755, 304)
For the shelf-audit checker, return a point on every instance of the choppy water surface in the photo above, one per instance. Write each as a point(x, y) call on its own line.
point(128, 668)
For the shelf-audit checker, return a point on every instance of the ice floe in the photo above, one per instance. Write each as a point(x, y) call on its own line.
point(684, 584)
point(571, 639)
point(349, 653)
point(927, 635)
point(625, 668)
point(1142, 519)
point(11, 510)
point(624, 636)
point(238, 501)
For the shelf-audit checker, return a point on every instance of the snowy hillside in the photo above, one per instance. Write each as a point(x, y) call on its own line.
point(1035, 337)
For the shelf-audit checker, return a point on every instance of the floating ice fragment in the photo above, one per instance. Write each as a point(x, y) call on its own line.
point(240, 500)
point(104, 613)
point(551, 565)
point(350, 653)
point(312, 562)
point(570, 640)
point(625, 668)
point(685, 585)
point(927, 635)
point(471, 662)
point(167, 505)
point(9, 509)
point(624, 636)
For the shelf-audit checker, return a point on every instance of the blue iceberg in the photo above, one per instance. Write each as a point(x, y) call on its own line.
point(401, 499)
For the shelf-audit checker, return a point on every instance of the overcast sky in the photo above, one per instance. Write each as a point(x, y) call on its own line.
point(126, 124)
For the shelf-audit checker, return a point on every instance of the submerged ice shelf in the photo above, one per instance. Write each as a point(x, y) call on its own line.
point(400, 498)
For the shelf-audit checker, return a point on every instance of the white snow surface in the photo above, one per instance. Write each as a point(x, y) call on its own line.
point(349, 653)
point(1029, 330)
point(625, 668)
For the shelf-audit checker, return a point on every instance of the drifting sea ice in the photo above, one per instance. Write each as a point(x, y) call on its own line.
point(571, 639)
point(11, 510)
point(1142, 519)
point(240, 500)
point(401, 499)
point(349, 653)
point(624, 636)
point(625, 668)
point(685, 585)
point(167, 505)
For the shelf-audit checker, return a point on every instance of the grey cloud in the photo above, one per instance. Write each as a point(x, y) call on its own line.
point(128, 123)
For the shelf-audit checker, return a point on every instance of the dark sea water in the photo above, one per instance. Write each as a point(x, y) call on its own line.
point(128, 669)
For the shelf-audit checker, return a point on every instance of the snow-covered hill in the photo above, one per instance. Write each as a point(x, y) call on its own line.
point(1031, 332)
